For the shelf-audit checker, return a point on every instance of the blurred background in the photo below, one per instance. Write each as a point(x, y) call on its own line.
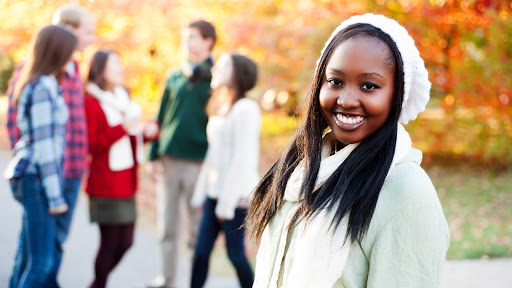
point(465, 134)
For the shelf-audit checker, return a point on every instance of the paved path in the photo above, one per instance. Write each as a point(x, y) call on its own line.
point(141, 263)
point(496, 273)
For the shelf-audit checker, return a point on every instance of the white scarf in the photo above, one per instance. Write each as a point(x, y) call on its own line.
point(116, 105)
point(321, 255)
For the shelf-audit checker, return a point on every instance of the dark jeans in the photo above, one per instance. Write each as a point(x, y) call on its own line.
point(116, 239)
point(70, 192)
point(36, 248)
point(60, 223)
point(234, 232)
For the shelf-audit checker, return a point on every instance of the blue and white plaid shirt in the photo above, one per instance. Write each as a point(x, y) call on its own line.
point(42, 116)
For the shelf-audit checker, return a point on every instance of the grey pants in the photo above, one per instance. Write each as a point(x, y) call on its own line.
point(176, 187)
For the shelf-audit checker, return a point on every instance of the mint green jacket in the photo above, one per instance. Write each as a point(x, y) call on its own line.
point(407, 239)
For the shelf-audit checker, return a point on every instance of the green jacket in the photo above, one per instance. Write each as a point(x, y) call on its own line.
point(407, 240)
point(182, 117)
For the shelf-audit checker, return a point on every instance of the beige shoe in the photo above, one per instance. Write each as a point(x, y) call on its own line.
point(158, 282)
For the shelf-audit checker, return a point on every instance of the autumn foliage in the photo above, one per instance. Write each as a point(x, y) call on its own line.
point(466, 45)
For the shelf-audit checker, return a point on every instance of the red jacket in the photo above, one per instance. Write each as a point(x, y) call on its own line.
point(103, 182)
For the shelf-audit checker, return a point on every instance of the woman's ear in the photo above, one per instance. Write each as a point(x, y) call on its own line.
point(210, 43)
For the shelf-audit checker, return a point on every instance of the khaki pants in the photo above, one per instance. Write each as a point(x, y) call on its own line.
point(176, 187)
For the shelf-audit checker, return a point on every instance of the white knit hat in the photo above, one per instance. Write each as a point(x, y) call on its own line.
point(416, 83)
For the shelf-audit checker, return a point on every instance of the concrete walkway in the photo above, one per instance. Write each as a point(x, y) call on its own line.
point(141, 263)
point(496, 273)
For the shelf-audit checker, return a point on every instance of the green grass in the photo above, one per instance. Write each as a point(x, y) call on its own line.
point(478, 208)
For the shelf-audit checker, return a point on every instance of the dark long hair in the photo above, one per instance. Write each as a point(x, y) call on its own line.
point(50, 50)
point(354, 187)
point(243, 79)
point(97, 68)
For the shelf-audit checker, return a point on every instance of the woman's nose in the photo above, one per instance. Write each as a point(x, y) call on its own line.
point(348, 98)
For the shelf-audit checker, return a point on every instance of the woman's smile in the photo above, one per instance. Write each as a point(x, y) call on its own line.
point(348, 121)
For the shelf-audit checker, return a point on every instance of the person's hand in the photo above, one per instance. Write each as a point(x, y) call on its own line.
point(221, 219)
point(59, 209)
point(131, 124)
point(151, 130)
point(198, 209)
point(154, 169)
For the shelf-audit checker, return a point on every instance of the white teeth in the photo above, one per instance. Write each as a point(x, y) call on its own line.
point(349, 119)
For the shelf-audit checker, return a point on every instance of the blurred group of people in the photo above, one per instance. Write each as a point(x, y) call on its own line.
point(62, 130)
point(347, 205)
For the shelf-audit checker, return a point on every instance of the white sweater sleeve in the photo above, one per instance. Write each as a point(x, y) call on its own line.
point(200, 189)
point(246, 125)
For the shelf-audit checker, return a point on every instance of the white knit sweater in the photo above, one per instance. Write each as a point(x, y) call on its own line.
point(230, 169)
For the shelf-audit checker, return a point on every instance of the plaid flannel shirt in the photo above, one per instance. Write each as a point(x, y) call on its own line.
point(76, 149)
point(42, 116)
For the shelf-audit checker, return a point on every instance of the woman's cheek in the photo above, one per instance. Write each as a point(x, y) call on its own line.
point(326, 99)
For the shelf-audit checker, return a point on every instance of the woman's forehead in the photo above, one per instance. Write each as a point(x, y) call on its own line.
point(360, 52)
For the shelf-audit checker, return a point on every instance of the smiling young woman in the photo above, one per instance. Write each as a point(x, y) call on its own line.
point(348, 205)
point(356, 97)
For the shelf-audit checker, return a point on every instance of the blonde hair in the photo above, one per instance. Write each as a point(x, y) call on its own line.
point(70, 14)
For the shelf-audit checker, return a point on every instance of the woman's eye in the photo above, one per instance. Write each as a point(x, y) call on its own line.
point(369, 86)
point(335, 82)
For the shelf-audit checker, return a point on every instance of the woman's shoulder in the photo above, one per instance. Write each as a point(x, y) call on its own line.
point(406, 187)
point(91, 102)
point(45, 82)
point(246, 105)
point(43, 88)
point(409, 181)
point(408, 200)
point(89, 98)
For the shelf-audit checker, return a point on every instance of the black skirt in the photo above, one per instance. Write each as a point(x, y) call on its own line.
point(112, 210)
